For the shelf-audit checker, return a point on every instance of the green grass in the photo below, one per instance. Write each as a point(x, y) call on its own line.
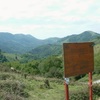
point(32, 87)
point(14, 85)
point(86, 78)
point(55, 92)
point(35, 91)
point(12, 57)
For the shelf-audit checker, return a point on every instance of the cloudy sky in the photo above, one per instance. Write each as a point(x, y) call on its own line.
point(49, 18)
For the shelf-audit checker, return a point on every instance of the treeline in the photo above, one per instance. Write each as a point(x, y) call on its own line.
point(51, 66)
point(48, 67)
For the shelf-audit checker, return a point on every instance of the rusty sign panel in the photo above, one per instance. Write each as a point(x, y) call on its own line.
point(78, 58)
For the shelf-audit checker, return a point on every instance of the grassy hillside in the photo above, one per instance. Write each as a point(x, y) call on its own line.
point(33, 78)
point(43, 52)
point(14, 86)
point(17, 85)
point(46, 50)
point(12, 57)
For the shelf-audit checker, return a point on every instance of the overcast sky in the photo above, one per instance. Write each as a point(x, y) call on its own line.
point(49, 18)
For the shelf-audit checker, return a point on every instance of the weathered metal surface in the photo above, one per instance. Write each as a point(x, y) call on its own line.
point(78, 58)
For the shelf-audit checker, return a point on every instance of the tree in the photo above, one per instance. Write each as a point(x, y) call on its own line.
point(51, 67)
point(0, 51)
point(2, 57)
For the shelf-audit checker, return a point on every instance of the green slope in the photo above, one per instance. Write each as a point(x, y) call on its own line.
point(83, 37)
point(46, 50)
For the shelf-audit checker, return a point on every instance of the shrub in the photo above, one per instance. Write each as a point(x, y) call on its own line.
point(4, 68)
point(81, 94)
point(13, 88)
point(96, 89)
point(5, 76)
point(9, 96)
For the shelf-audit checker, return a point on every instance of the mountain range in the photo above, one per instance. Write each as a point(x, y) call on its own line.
point(20, 43)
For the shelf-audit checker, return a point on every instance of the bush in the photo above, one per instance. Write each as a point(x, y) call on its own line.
point(9, 96)
point(96, 89)
point(4, 68)
point(5, 76)
point(81, 94)
point(51, 67)
point(14, 88)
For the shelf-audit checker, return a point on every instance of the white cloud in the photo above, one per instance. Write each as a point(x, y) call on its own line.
point(24, 8)
point(50, 16)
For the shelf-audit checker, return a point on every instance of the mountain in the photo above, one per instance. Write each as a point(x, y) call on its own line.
point(20, 43)
point(83, 37)
point(46, 50)
point(51, 40)
point(56, 49)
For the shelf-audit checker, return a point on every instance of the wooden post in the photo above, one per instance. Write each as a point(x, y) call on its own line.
point(90, 86)
point(66, 91)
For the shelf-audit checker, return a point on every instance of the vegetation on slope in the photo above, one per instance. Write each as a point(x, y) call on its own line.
point(14, 86)
point(83, 37)
point(46, 50)
point(2, 57)
point(10, 87)
point(20, 43)
point(24, 81)
point(97, 55)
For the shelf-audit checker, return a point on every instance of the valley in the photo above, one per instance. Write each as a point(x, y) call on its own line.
point(35, 61)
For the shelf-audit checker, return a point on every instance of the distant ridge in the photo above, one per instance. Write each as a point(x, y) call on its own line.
point(20, 43)
point(83, 37)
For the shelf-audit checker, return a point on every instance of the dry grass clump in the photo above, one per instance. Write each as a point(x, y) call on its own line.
point(6, 76)
point(12, 90)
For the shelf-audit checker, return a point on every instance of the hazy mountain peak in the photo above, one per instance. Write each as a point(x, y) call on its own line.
point(83, 37)
point(89, 33)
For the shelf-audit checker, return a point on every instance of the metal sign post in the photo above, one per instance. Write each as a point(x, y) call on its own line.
point(66, 91)
point(66, 88)
point(90, 86)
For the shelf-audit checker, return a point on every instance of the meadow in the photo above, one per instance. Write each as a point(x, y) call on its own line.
point(14, 86)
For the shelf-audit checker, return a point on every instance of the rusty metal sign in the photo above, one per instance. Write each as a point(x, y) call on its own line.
point(78, 58)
